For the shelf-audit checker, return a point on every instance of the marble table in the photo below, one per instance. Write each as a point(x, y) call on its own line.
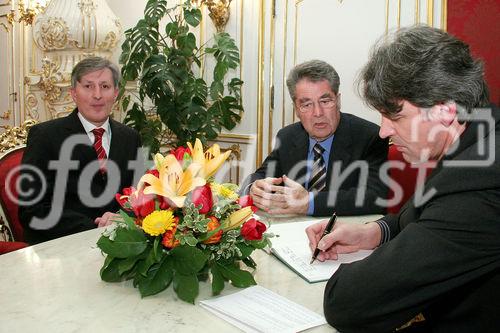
point(55, 287)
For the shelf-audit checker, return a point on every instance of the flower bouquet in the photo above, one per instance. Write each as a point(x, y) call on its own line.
point(180, 227)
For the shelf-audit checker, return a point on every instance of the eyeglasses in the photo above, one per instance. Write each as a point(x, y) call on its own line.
point(323, 103)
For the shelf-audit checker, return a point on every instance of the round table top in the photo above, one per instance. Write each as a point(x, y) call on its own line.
point(55, 287)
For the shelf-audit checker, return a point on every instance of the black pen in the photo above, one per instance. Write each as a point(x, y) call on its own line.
point(328, 229)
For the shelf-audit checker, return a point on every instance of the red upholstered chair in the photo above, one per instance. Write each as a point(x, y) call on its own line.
point(12, 143)
point(405, 175)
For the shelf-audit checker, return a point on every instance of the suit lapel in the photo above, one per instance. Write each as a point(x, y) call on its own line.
point(73, 125)
point(341, 147)
point(298, 154)
point(118, 142)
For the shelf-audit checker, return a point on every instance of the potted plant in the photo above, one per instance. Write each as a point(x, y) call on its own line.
point(174, 104)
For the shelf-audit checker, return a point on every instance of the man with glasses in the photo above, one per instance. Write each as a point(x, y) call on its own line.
point(329, 161)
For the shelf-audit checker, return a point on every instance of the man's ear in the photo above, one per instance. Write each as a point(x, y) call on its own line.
point(445, 113)
point(72, 92)
point(339, 102)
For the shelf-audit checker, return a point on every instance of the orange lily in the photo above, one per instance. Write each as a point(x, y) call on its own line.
point(210, 160)
point(172, 183)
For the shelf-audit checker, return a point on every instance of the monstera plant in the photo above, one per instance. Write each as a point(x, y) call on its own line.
point(174, 104)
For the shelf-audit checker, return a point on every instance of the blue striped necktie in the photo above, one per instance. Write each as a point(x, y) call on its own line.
point(317, 182)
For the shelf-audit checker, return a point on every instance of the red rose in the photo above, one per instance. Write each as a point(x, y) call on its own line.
point(179, 153)
point(123, 198)
point(142, 204)
point(202, 195)
point(246, 201)
point(252, 229)
point(211, 226)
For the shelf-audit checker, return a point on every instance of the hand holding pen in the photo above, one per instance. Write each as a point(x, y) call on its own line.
point(328, 229)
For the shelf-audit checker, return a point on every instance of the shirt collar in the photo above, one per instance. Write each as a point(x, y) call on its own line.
point(326, 144)
point(88, 126)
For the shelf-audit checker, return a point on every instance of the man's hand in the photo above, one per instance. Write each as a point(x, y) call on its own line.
point(262, 191)
point(344, 238)
point(107, 218)
point(292, 198)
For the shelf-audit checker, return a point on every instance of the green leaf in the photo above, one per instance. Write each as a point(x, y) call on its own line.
point(187, 44)
point(129, 221)
point(234, 87)
point(157, 279)
point(192, 16)
point(171, 29)
point(109, 271)
point(216, 89)
point(127, 243)
point(200, 90)
point(220, 71)
point(186, 287)
point(155, 10)
point(127, 264)
point(225, 50)
point(246, 250)
point(217, 280)
point(152, 257)
point(188, 260)
point(238, 277)
point(157, 247)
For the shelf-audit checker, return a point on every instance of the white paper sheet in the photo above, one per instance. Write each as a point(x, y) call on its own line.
point(291, 246)
point(257, 309)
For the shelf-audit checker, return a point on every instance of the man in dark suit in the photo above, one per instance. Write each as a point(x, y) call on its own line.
point(73, 166)
point(439, 258)
point(329, 161)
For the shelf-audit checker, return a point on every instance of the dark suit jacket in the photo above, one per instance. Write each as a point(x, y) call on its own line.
point(355, 140)
point(443, 259)
point(44, 145)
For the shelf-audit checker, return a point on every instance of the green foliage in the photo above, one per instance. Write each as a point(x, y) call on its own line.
point(125, 244)
point(238, 277)
point(166, 62)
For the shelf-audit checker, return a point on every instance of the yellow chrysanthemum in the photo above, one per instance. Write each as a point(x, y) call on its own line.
point(223, 191)
point(158, 222)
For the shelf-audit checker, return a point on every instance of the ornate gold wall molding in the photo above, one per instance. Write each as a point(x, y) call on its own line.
point(51, 80)
point(6, 115)
point(54, 34)
point(15, 136)
point(31, 106)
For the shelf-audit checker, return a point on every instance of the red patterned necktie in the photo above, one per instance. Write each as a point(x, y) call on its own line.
point(99, 149)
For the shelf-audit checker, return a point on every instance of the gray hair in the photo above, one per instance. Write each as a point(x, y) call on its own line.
point(425, 66)
point(92, 64)
point(313, 70)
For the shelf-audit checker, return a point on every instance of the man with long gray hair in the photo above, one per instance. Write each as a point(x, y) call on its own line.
point(438, 260)
point(73, 166)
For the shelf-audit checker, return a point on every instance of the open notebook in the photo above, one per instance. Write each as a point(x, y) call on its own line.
point(291, 246)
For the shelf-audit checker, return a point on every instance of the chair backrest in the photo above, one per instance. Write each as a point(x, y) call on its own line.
point(12, 144)
point(407, 178)
point(9, 173)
